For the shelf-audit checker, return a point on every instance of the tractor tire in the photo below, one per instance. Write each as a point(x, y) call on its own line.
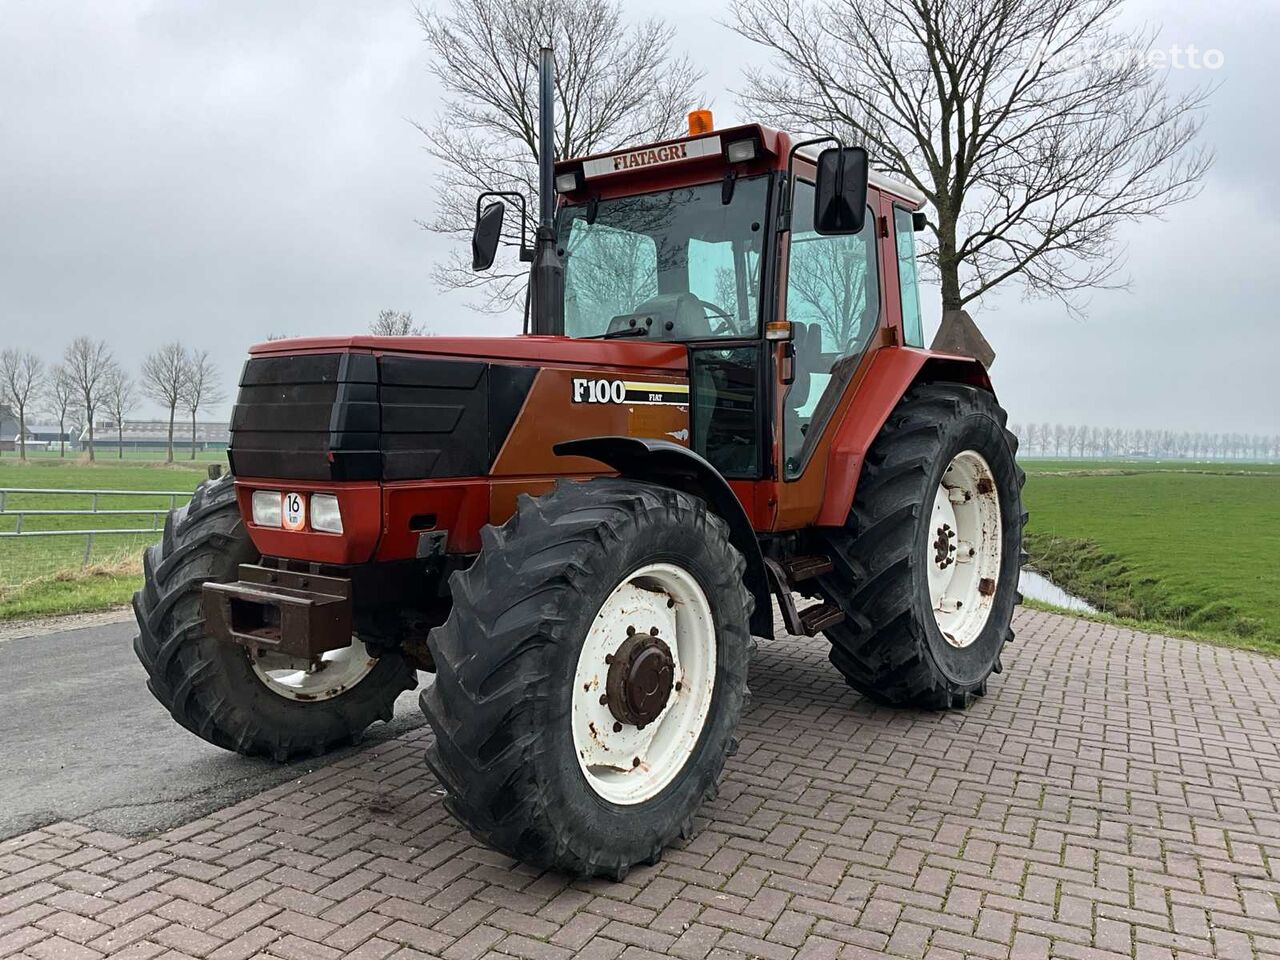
point(579, 585)
point(212, 687)
point(897, 559)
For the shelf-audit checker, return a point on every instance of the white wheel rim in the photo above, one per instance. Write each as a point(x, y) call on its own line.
point(628, 764)
point(329, 675)
point(963, 547)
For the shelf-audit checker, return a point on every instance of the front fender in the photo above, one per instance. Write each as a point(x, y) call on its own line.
point(669, 464)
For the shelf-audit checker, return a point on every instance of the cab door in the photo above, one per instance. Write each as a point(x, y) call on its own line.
point(833, 300)
point(727, 376)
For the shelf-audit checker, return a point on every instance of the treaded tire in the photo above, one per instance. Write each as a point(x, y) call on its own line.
point(209, 686)
point(500, 705)
point(889, 646)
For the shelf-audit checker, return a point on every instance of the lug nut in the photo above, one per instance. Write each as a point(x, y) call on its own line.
point(617, 727)
point(630, 630)
point(604, 699)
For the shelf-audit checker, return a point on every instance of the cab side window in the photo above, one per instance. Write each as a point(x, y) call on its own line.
point(833, 303)
point(908, 278)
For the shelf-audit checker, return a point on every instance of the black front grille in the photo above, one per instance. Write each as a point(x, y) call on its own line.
point(354, 416)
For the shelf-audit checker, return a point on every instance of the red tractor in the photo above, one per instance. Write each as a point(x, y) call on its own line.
point(723, 399)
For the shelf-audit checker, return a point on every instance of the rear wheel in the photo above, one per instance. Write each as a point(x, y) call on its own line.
point(590, 675)
point(253, 703)
point(926, 568)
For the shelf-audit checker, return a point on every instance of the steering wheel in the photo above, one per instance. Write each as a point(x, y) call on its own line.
point(726, 324)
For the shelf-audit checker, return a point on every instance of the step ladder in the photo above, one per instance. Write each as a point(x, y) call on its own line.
point(784, 575)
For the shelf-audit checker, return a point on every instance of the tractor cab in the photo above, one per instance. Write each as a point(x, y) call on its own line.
point(780, 266)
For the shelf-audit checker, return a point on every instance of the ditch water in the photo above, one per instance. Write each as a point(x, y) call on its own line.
point(1038, 588)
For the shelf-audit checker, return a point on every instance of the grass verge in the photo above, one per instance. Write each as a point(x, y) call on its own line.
point(1172, 552)
point(1163, 628)
point(97, 588)
point(42, 576)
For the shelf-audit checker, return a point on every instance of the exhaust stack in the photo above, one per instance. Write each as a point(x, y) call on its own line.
point(547, 277)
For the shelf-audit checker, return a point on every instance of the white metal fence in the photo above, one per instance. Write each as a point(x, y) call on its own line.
point(45, 532)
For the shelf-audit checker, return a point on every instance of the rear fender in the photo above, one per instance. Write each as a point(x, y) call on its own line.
point(671, 465)
point(893, 371)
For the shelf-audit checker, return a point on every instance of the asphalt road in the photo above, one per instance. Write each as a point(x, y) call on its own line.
point(82, 738)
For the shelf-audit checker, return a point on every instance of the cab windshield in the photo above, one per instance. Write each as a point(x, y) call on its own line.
point(673, 265)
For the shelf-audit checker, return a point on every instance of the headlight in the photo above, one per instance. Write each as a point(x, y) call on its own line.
point(325, 515)
point(266, 508)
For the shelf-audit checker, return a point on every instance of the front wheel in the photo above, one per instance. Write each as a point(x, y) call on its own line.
point(590, 675)
point(926, 568)
point(255, 703)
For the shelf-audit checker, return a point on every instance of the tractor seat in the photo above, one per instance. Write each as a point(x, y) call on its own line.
point(806, 340)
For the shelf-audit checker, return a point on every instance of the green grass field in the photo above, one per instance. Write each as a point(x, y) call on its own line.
point(1176, 546)
point(48, 575)
point(180, 453)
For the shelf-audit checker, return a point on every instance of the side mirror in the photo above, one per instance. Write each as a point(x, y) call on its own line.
point(485, 237)
point(840, 193)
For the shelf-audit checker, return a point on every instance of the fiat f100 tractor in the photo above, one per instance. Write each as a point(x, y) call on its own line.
point(722, 400)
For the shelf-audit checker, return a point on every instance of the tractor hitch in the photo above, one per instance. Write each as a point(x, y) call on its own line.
point(282, 611)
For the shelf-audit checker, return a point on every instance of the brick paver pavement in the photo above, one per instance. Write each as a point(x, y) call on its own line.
point(1117, 794)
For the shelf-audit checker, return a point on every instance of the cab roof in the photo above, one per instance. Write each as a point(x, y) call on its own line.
point(711, 147)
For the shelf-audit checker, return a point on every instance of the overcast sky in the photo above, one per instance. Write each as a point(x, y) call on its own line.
point(217, 171)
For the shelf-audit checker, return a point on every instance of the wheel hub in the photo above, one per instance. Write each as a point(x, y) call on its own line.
point(944, 546)
point(641, 677)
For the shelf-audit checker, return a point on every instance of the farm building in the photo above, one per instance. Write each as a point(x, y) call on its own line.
point(39, 436)
point(154, 435)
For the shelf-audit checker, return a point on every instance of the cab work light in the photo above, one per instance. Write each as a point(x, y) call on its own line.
point(266, 508)
point(741, 150)
point(569, 181)
point(325, 514)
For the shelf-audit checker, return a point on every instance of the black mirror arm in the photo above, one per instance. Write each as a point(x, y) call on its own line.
point(784, 208)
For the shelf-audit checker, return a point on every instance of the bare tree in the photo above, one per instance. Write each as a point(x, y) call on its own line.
point(21, 379)
point(615, 84)
point(1034, 128)
point(396, 323)
point(164, 374)
point(201, 389)
point(89, 364)
point(120, 397)
point(60, 397)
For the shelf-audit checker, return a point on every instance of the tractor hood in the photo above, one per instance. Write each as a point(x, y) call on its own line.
point(539, 351)
point(428, 408)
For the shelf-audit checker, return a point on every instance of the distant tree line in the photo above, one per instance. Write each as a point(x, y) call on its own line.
point(1059, 440)
point(88, 382)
